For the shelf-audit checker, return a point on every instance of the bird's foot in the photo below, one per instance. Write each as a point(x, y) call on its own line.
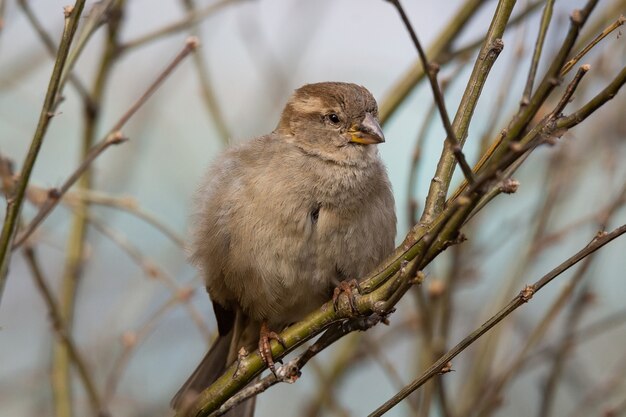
point(265, 349)
point(347, 288)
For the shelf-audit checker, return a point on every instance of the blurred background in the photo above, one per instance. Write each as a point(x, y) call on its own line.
point(137, 322)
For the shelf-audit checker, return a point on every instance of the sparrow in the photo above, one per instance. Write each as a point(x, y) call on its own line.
point(282, 219)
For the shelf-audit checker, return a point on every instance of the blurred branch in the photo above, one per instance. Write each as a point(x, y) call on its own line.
point(602, 97)
point(570, 64)
point(109, 12)
point(63, 332)
point(563, 350)
point(38, 195)
point(431, 72)
point(16, 198)
point(524, 296)
point(114, 137)
point(132, 339)
point(152, 270)
point(494, 389)
point(534, 63)
point(601, 391)
point(188, 21)
point(415, 74)
point(130, 206)
point(202, 70)
point(489, 52)
point(101, 12)
point(441, 53)
point(51, 47)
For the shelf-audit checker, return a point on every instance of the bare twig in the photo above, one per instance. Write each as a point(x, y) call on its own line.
point(112, 138)
point(202, 69)
point(541, 36)
point(290, 371)
point(51, 47)
point(129, 205)
point(416, 73)
point(602, 97)
point(16, 199)
point(62, 332)
point(486, 57)
point(524, 296)
point(570, 64)
point(132, 339)
point(190, 19)
point(431, 71)
point(152, 270)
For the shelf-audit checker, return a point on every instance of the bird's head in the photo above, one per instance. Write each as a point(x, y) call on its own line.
point(336, 121)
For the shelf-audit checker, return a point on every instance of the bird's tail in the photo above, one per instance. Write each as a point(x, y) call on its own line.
point(212, 366)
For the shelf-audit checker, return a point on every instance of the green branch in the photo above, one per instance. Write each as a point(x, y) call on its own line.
point(16, 197)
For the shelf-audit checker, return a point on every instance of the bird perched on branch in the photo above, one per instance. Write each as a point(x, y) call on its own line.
point(284, 218)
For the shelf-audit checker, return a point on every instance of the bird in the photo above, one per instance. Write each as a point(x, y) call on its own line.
point(281, 220)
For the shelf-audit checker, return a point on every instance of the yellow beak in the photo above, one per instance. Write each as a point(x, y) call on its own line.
point(368, 132)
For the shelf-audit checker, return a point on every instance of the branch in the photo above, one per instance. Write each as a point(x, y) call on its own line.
point(290, 371)
point(16, 199)
point(523, 297)
point(51, 47)
point(114, 137)
point(594, 104)
point(486, 57)
point(109, 12)
point(61, 330)
point(431, 71)
point(570, 64)
point(534, 63)
point(415, 74)
point(185, 23)
point(208, 95)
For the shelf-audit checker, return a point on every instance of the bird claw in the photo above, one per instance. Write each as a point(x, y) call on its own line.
point(347, 288)
point(265, 349)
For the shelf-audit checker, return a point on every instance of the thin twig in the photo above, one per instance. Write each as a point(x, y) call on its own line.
point(290, 371)
point(569, 92)
point(61, 330)
point(190, 19)
point(130, 206)
point(487, 56)
point(534, 63)
point(132, 339)
point(152, 270)
point(570, 64)
point(431, 72)
point(46, 39)
point(602, 97)
point(563, 351)
point(98, 16)
point(417, 150)
point(208, 95)
point(109, 12)
point(401, 89)
point(112, 138)
point(15, 201)
point(524, 296)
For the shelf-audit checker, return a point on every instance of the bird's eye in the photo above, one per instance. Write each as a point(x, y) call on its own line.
point(334, 119)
